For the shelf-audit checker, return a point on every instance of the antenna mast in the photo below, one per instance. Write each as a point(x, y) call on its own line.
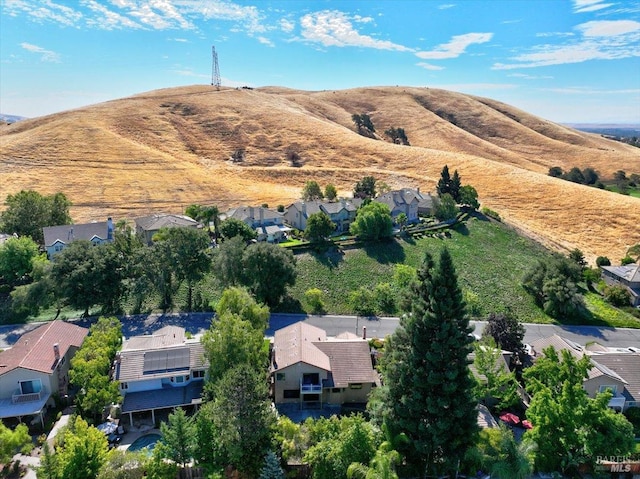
point(215, 69)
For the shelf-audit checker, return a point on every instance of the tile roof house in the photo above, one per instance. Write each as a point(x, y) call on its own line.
point(147, 226)
point(56, 238)
point(627, 276)
point(160, 370)
point(342, 212)
point(268, 224)
point(308, 367)
point(600, 376)
point(36, 367)
point(408, 201)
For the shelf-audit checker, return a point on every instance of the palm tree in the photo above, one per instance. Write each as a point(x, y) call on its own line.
point(382, 466)
point(515, 460)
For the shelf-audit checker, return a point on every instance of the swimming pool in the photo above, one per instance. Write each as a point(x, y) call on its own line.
point(146, 442)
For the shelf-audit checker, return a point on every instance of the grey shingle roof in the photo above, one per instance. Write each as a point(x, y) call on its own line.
point(626, 366)
point(156, 222)
point(630, 272)
point(69, 233)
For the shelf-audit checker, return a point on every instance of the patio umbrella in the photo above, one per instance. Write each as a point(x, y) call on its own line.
point(510, 418)
point(527, 425)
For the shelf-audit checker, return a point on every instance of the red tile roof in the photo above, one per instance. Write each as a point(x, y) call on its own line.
point(34, 350)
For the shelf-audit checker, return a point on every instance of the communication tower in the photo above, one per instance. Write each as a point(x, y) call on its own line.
point(215, 69)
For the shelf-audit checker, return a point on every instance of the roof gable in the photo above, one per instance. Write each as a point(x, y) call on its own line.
point(34, 350)
point(68, 233)
point(159, 221)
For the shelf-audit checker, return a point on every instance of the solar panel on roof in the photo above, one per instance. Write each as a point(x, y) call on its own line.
point(166, 360)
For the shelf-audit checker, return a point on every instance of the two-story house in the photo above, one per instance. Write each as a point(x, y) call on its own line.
point(147, 226)
point(56, 238)
point(342, 213)
point(307, 367)
point(408, 201)
point(626, 276)
point(160, 370)
point(600, 377)
point(268, 224)
point(36, 367)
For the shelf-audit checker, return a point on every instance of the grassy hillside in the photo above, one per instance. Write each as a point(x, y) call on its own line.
point(490, 260)
point(162, 150)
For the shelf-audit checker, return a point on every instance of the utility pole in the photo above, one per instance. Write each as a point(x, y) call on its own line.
point(215, 69)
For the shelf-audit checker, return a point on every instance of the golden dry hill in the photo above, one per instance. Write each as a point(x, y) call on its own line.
point(162, 150)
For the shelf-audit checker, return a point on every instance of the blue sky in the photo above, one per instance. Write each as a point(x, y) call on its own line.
point(564, 60)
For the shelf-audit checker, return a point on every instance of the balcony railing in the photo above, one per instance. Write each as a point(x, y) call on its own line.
point(310, 388)
point(18, 397)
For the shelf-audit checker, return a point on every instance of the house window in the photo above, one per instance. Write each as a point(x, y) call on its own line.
point(613, 389)
point(355, 386)
point(311, 378)
point(124, 385)
point(336, 390)
point(197, 374)
point(291, 393)
point(30, 387)
point(179, 379)
point(280, 376)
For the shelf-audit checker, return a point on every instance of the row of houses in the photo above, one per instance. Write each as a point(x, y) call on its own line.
point(166, 369)
point(269, 225)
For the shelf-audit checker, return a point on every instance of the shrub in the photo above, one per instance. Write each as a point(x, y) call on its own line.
point(314, 298)
point(384, 298)
point(602, 261)
point(633, 416)
point(616, 295)
point(627, 260)
point(490, 213)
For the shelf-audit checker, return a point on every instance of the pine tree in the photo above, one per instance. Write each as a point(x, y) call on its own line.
point(454, 186)
point(429, 389)
point(444, 183)
point(271, 468)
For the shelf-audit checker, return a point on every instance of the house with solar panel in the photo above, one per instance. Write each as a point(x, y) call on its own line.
point(160, 371)
point(627, 276)
point(311, 369)
point(36, 367)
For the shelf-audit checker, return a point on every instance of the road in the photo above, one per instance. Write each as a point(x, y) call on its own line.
point(333, 325)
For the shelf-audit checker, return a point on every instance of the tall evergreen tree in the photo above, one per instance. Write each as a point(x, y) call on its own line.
point(444, 183)
point(428, 389)
point(454, 186)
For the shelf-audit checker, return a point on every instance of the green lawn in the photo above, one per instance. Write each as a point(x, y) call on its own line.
point(603, 313)
point(633, 191)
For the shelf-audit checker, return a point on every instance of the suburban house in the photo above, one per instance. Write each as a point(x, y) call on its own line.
point(342, 212)
point(309, 368)
point(627, 276)
point(4, 237)
point(268, 224)
point(626, 365)
point(147, 226)
point(601, 377)
point(160, 370)
point(36, 367)
point(56, 238)
point(408, 201)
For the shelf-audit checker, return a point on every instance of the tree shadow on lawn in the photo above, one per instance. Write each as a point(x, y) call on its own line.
point(289, 304)
point(330, 257)
point(385, 251)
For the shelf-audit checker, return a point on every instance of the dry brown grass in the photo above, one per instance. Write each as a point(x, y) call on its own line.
point(163, 150)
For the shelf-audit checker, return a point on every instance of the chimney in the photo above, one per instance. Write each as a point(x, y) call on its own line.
point(56, 351)
point(364, 332)
point(70, 234)
point(261, 215)
point(251, 213)
point(343, 202)
point(304, 209)
point(109, 229)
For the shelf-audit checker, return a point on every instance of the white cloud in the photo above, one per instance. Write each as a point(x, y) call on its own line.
point(45, 10)
point(583, 6)
point(524, 76)
point(600, 40)
point(248, 16)
point(180, 40)
point(187, 72)
point(609, 28)
point(287, 25)
point(429, 66)
point(47, 55)
point(265, 41)
point(108, 19)
point(334, 28)
point(446, 6)
point(455, 47)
